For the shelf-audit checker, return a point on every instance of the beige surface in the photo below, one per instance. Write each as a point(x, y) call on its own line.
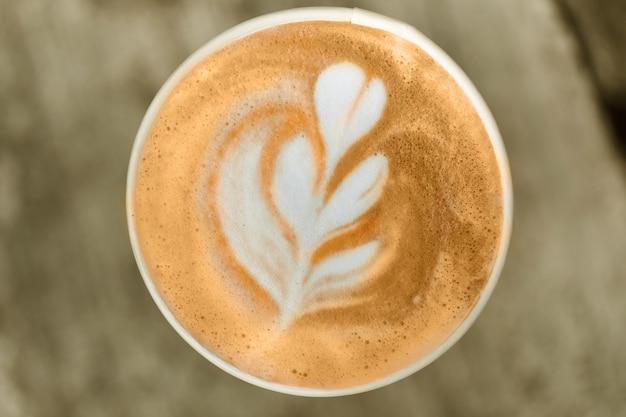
point(79, 334)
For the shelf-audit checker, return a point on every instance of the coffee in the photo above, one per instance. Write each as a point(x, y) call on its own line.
point(319, 204)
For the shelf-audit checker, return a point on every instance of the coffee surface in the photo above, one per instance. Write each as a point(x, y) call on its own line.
point(319, 204)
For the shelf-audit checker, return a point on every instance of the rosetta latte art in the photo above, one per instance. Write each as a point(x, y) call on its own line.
point(274, 210)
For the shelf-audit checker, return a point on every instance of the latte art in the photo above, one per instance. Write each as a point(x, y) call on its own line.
point(318, 204)
point(276, 216)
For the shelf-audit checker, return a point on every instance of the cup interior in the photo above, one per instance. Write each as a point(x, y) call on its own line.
point(358, 17)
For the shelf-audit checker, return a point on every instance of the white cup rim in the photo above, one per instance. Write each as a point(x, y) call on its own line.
point(363, 18)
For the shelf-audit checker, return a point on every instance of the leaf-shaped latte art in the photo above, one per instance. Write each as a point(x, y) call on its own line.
point(348, 105)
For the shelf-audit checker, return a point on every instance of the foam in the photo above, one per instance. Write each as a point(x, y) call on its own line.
point(425, 236)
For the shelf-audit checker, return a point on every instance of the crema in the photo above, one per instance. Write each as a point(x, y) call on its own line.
point(319, 204)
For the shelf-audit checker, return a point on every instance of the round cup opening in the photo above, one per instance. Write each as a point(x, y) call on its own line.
point(358, 17)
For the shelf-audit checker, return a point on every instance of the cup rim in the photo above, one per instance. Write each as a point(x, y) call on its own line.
point(362, 18)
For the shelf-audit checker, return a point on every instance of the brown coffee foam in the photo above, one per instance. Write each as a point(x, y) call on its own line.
point(440, 213)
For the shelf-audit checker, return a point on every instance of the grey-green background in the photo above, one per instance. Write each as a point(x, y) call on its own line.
point(79, 334)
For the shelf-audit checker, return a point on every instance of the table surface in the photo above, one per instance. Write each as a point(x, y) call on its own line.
point(79, 334)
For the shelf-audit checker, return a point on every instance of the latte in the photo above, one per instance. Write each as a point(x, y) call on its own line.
point(318, 204)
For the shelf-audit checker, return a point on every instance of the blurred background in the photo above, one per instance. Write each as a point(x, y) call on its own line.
point(79, 334)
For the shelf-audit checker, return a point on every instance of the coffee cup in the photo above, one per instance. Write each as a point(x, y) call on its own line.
point(319, 201)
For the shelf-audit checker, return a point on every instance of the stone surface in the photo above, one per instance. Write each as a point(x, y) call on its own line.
point(79, 334)
point(599, 26)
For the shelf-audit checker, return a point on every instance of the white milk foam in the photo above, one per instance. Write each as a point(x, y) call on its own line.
point(348, 106)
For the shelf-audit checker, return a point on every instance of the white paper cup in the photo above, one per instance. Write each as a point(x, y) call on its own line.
point(362, 18)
